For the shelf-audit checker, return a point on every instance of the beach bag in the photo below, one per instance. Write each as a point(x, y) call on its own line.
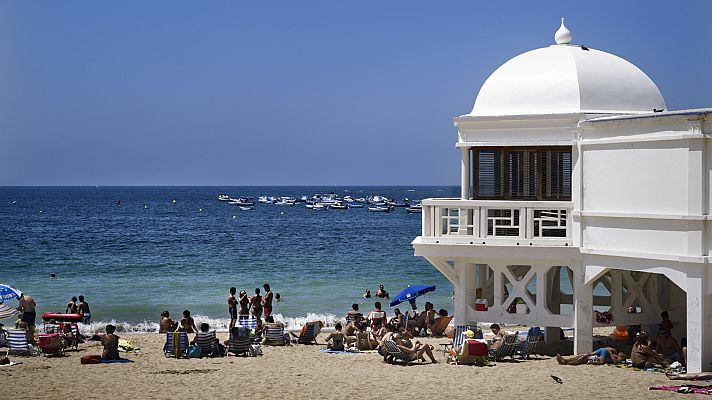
point(255, 350)
point(3, 338)
point(193, 351)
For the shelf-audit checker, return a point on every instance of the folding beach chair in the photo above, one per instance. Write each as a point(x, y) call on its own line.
point(50, 344)
point(391, 349)
point(457, 339)
point(18, 344)
point(176, 344)
point(440, 325)
point(527, 347)
point(308, 333)
point(506, 349)
point(207, 341)
point(239, 343)
point(274, 335)
point(250, 322)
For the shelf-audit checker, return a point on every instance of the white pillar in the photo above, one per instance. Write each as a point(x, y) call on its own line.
point(464, 291)
point(465, 174)
point(699, 327)
point(583, 311)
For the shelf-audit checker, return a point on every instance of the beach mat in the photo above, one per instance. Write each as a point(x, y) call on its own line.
point(10, 365)
point(99, 360)
point(330, 351)
point(685, 389)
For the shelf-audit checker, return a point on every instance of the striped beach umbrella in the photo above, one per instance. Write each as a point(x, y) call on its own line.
point(8, 292)
point(6, 311)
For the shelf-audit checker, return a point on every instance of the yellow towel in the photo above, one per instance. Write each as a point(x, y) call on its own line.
point(176, 344)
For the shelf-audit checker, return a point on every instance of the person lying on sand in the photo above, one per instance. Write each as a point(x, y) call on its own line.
point(336, 339)
point(604, 355)
point(700, 376)
point(642, 355)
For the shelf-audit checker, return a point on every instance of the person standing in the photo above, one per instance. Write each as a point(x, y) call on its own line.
point(84, 311)
point(256, 302)
point(267, 300)
point(244, 302)
point(72, 307)
point(232, 307)
point(28, 308)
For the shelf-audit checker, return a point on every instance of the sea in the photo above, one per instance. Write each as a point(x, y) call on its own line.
point(134, 252)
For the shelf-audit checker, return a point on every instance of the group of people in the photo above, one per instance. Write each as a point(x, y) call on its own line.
point(258, 306)
point(81, 308)
point(380, 293)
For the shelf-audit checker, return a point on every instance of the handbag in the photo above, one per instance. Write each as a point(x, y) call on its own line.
point(193, 351)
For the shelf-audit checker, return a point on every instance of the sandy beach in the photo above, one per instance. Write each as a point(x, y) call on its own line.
point(301, 371)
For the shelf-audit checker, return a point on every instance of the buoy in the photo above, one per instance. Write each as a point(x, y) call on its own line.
point(40, 211)
point(234, 216)
point(282, 213)
point(145, 206)
point(174, 201)
point(200, 210)
point(14, 202)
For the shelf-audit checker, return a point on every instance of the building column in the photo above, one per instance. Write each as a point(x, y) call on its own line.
point(699, 327)
point(464, 291)
point(583, 311)
point(465, 174)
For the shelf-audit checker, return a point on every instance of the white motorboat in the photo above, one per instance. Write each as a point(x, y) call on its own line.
point(416, 209)
point(340, 205)
point(264, 200)
point(381, 209)
point(247, 208)
point(319, 207)
point(223, 197)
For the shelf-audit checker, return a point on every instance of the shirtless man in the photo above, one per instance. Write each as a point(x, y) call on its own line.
point(499, 335)
point(28, 309)
point(244, 303)
point(267, 300)
point(84, 310)
point(382, 293)
point(642, 355)
point(72, 307)
point(354, 314)
point(604, 355)
point(256, 302)
point(668, 347)
point(416, 348)
point(232, 307)
point(187, 324)
point(166, 324)
point(351, 330)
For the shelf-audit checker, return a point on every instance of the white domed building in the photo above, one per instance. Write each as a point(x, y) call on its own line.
point(584, 202)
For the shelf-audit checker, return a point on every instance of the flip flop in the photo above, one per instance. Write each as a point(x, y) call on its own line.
point(557, 379)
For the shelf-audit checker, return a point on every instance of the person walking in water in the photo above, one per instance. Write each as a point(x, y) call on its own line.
point(232, 307)
point(72, 307)
point(84, 310)
point(267, 300)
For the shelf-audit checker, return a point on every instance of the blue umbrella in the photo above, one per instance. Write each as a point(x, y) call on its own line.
point(410, 293)
point(8, 292)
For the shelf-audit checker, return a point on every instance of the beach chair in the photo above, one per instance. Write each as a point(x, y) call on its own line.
point(18, 344)
point(391, 349)
point(52, 328)
point(308, 333)
point(457, 338)
point(50, 344)
point(207, 343)
point(506, 349)
point(440, 325)
point(176, 344)
point(527, 347)
point(250, 322)
point(239, 342)
point(3, 336)
point(274, 335)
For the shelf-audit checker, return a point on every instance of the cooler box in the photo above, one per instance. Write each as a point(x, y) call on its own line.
point(475, 348)
point(481, 305)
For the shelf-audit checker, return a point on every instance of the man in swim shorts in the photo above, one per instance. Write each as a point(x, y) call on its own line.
point(85, 311)
point(232, 307)
point(28, 309)
point(267, 300)
point(604, 355)
point(642, 355)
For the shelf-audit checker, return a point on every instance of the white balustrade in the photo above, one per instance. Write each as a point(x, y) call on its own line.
point(495, 221)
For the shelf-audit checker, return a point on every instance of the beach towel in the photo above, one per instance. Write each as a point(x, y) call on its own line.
point(330, 351)
point(685, 389)
point(96, 359)
point(10, 365)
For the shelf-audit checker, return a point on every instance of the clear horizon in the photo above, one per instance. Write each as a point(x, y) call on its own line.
point(175, 93)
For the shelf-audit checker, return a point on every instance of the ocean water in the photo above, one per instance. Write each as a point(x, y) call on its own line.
point(147, 254)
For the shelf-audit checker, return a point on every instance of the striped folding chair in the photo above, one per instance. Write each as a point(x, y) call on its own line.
point(206, 342)
point(239, 343)
point(391, 348)
point(17, 343)
point(274, 335)
point(176, 344)
point(308, 334)
point(457, 338)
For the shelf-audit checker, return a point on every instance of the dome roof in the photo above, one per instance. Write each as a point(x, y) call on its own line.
point(565, 78)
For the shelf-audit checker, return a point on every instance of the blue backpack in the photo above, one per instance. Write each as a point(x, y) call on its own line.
point(193, 351)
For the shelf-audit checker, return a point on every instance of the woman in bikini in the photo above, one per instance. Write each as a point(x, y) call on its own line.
point(256, 302)
point(244, 302)
point(336, 339)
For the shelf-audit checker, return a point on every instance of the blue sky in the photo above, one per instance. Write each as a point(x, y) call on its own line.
point(290, 92)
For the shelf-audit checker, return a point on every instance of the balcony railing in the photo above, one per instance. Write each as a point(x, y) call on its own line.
point(497, 222)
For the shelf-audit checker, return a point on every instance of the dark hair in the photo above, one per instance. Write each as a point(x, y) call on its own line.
point(81, 297)
point(642, 336)
point(378, 305)
point(266, 286)
point(165, 313)
point(377, 322)
point(257, 290)
point(442, 312)
point(494, 326)
point(74, 298)
point(204, 327)
point(269, 319)
point(664, 315)
point(110, 328)
point(233, 290)
point(277, 296)
point(338, 326)
point(392, 327)
point(354, 307)
point(397, 311)
point(186, 313)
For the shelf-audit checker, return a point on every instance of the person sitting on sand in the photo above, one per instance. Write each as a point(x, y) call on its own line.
point(354, 314)
point(378, 329)
point(166, 324)
point(604, 355)
point(72, 307)
point(367, 294)
point(416, 348)
point(668, 347)
point(499, 335)
point(187, 324)
point(642, 355)
point(417, 324)
point(377, 314)
point(110, 343)
point(430, 315)
point(398, 318)
point(382, 293)
point(336, 339)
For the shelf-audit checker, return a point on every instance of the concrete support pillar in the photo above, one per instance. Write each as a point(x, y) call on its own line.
point(583, 311)
point(464, 291)
point(699, 327)
point(465, 174)
point(553, 302)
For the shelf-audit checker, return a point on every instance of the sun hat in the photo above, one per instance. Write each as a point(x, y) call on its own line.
point(470, 334)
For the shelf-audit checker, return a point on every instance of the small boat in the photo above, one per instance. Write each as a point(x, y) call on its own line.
point(242, 203)
point(416, 209)
point(319, 207)
point(247, 208)
point(265, 200)
point(381, 209)
point(355, 205)
point(339, 206)
point(223, 197)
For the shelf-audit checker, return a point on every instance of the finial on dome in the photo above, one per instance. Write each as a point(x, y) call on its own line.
point(563, 35)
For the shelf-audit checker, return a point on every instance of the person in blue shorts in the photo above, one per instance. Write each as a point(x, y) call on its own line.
point(604, 355)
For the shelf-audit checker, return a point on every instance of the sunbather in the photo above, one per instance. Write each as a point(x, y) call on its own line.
point(668, 347)
point(398, 318)
point(110, 343)
point(187, 324)
point(642, 355)
point(336, 339)
point(354, 313)
point(499, 335)
point(604, 355)
point(166, 324)
point(700, 376)
point(417, 348)
point(377, 314)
